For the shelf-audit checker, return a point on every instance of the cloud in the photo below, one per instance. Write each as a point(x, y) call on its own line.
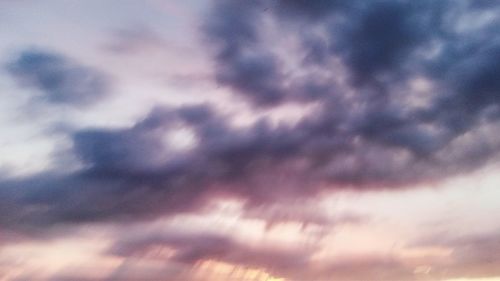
point(59, 79)
point(305, 215)
point(132, 173)
point(362, 136)
point(292, 262)
point(474, 80)
point(381, 37)
point(193, 248)
point(256, 75)
point(372, 39)
point(474, 255)
point(383, 45)
point(311, 10)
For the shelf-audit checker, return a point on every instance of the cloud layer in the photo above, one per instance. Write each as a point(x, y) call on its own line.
point(395, 94)
point(369, 130)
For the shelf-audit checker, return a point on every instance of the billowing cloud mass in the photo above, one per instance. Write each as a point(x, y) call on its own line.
point(395, 94)
point(361, 123)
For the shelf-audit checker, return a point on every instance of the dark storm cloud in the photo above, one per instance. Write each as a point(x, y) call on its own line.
point(243, 61)
point(255, 75)
point(130, 174)
point(476, 82)
point(361, 136)
point(381, 36)
point(484, 4)
point(59, 79)
point(382, 44)
point(374, 39)
point(233, 29)
point(118, 151)
point(312, 10)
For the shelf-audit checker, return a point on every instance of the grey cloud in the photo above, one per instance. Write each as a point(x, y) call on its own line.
point(311, 10)
point(361, 136)
point(60, 79)
point(232, 28)
point(381, 36)
point(192, 248)
point(255, 75)
point(130, 174)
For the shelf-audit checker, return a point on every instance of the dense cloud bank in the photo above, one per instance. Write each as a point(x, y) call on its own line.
point(407, 92)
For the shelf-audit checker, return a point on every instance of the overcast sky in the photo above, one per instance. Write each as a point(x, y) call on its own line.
point(212, 140)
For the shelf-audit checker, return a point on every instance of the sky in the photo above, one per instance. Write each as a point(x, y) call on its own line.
point(262, 140)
